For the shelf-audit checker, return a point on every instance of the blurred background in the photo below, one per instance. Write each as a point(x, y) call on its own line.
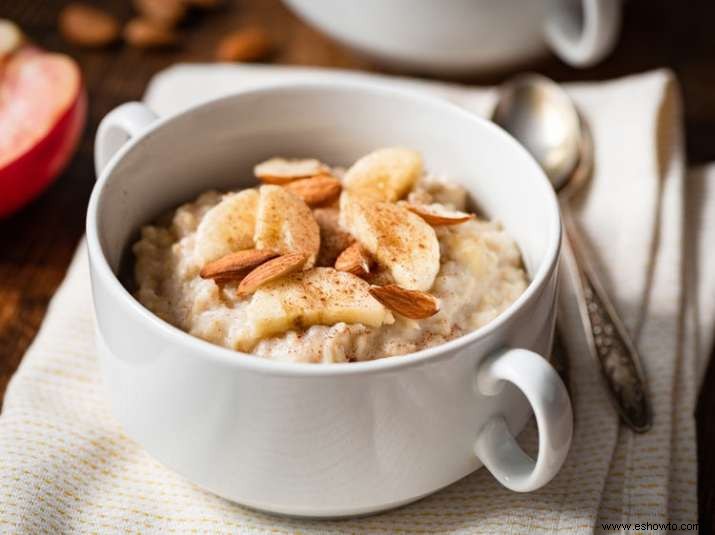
point(118, 51)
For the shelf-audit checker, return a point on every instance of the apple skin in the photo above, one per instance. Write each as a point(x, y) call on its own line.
point(28, 174)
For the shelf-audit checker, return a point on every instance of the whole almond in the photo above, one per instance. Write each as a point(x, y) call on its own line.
point(409, 303)
point(438, 217)
point(271, 270)
point(235, 266)
point(281, 171)
point(249, 44)
point(355, 259)
point(317, 190)
point(167, 13)
point(88, 26)
point(144, 33)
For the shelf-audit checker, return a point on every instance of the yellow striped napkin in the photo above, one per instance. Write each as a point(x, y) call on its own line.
point(67, 467)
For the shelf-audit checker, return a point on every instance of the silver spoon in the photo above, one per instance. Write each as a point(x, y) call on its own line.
point(542, 117)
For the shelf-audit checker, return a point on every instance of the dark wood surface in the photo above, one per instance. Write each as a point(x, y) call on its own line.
point(36, 245)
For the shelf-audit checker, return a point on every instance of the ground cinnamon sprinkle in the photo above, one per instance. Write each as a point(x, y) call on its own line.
point(478, 272)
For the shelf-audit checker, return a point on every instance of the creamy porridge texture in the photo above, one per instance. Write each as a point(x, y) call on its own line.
point(317, 264)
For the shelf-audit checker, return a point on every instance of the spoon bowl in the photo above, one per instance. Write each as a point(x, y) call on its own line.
point(541, 116)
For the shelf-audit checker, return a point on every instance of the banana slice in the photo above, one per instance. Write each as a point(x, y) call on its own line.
point(398, 239)
point(320, 296)
point(285, 224)
point(385, 174)
point(227, 227)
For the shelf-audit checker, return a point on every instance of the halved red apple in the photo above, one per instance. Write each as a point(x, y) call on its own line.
point(43, 108)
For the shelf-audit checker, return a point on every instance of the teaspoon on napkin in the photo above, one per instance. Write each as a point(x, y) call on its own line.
point(539, 114)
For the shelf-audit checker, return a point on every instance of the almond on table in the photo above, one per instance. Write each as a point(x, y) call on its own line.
point(166, 13)
point(146, 33)
point(205, 4)
point(89, 26)
point(248, 44)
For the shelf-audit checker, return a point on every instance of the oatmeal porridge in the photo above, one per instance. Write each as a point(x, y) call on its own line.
point(317, 264)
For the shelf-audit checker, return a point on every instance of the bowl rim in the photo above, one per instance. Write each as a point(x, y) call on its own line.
point(231, 357)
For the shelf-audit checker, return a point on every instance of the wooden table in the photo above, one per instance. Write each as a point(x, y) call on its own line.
point(36, 245)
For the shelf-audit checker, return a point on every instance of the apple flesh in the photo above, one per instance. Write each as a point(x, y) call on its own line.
point(43, 108)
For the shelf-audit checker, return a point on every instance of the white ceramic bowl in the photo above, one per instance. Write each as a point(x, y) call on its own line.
point(464, 36)
point(326, 440)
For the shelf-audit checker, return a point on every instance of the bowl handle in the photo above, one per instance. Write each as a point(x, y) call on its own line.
point(583, 32)
point(119, 126)
point(495, 445)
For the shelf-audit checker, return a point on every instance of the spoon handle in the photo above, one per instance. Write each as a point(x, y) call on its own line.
point(607, 337)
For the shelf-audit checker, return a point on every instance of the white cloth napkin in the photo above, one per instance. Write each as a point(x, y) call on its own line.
point(66, 466)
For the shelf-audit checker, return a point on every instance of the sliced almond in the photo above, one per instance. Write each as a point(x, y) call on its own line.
point(412, 304)
point(282, 171)
point(355, 259)
point(436, 215)
point(271, 270)
point(316, 190)
point(235, 266)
